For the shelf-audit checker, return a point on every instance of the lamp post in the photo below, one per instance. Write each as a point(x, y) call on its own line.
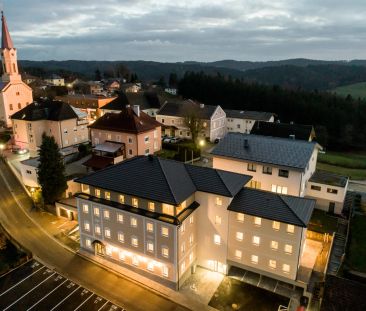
point(2, 147)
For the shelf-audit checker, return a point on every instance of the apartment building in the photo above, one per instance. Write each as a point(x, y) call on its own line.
point(172, 114)
point(242, 121)
point(161, 218)
point(119, 136)
point(66, 124)
point(55, 80)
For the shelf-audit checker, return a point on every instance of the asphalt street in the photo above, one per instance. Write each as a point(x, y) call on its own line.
point(106, 284)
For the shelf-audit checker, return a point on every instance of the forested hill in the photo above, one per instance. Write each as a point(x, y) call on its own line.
point(340, 123)
point(296, 73)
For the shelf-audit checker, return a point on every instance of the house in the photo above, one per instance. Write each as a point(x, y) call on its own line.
point(119, 136)
point(96, 87)
point(171, 91)
point(172, 115)
point(55, 80)
point(242, 121)
point(91, 104)
point(113, 86)
point(276, 164)
point(182, 216)
point(14, 93)
point(131, 87)
point(285, 130)
point(28, 79)
point(68, 125)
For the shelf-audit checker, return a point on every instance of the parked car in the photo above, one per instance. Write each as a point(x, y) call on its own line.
point(175, 140)
point(167, 139)
point(18, 150)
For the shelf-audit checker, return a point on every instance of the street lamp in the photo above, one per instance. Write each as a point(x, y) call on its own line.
point(202, 142)
point(2, 147)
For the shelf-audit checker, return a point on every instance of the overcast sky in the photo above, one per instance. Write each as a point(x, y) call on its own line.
point(201, 30)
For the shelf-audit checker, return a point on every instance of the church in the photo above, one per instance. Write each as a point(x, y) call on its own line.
point(14, 93)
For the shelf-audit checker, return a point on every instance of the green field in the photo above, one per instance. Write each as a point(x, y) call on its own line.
point(356, 257)
point(355, 90)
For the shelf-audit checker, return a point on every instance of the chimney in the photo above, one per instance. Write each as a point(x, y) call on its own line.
point(246, 143)
point(136, 109)
point(202, 106)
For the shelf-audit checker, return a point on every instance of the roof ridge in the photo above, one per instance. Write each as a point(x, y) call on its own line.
point(218, 174)
point(282, 197)
point(167, 181)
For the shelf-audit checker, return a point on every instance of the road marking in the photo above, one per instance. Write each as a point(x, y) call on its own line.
point(16, 268)
point(21, 281)
point(103, 305)
point(92, 294)
point(275, 287)
point(48, 294)
point(66, 298)
point(28, 292)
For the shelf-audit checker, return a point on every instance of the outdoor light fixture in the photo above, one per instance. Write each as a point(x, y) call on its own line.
point(202, 143)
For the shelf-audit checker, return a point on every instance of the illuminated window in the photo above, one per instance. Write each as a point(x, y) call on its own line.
point(272, 264)
point(86, 226)
point(86, 208)
point(85, 188)
point(151, 206)
point(121, 199)
point(133, 222)
point(107, 195)
point(134, 241)
point(183, 267)
point(183, 247)
point(256, 240)
point(149, 227)
point(108, 251)
point(135, 261)
point(135, 202)
point(274, 245)
point(107, 232)
point(150, 266)
point(240, 217)
point(331, 190)
point(191, 239)
point(276, 225)
point(122, 256)
point(121, 237)
point(97, 192)
point(191, 257)
point(238, 254)
point(286, 268)
point(288, 248)
point(88, 243)
point(168, 209)
point(217, 239)
point(120, 218)
point(150, 247)
point(239, 236)
point(257, 221)
point(218, 201)
point(290, 228)
point(164, 231)
point(165, 271)
point(106, 214)
point(218, 220)
point(96, 211)
point(279, 189)
point(191, 219)
point(252, 167)
point(254, 259)
point(165, 252)
point(183, 228)
point(97, 229)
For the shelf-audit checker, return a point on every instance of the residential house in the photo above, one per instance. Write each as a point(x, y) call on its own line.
point(113, 86)
point(171, 91)
point(28, 79)
point(68, 125)
point(172, 115)
point(131, 87)
point(119, 136)
point(284, 130)
point(184, 215)
point(14, 93)
point(96, 87)
point(55, 80)
point(242, 121)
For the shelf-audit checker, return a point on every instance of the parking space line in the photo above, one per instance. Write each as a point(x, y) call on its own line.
point(66, 297)
point(275, 287)
point(12, 270)
point(92, 294)
point(260, 278)
point(103, 305)
point(48, 294)
point(29, 291)
point(21, 281)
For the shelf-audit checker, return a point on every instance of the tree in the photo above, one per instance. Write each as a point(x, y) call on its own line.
point(173, 80)
point(51, 170)
point(193, 121)
point(98, 75)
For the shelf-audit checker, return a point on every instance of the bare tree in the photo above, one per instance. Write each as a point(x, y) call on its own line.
point(193, 120)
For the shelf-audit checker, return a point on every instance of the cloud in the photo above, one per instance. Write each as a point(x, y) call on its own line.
point(203, 30)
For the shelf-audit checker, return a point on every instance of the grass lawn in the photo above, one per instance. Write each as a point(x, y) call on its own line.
point(322, 222)
point(356, 256)
point(348, 160)
point(353, 173)
point(355, 90)
point(167, 154)
point(9, 257)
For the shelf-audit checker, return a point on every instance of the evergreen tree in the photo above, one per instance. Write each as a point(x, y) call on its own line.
point(98, 75)
point(51, 170)
point(173, 80)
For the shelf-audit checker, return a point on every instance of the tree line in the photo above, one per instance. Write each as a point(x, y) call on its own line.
point(340, 123)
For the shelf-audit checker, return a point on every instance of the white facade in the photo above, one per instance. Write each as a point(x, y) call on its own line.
point(242, 125)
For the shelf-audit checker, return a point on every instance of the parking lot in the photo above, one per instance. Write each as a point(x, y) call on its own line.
point(34, 286)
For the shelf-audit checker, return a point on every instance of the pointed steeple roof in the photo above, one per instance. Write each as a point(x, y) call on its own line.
point(6, 42)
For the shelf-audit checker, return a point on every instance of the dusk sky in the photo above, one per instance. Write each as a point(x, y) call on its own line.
point(201, 30)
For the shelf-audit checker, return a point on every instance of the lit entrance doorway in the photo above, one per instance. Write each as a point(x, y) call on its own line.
point(99, 248)
point(217, 266)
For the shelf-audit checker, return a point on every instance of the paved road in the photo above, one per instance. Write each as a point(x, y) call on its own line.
point(106, 284)
point(34, 286)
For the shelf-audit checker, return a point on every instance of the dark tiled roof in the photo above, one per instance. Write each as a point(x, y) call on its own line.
point(46, 110)
point(264, 149)
point(146, 100)
point(126, 121)
point(288, 209)
point(179, 109)
point(164, 180)
point(97, 162)
point(285, 130)
point(118, 103)
point(252, 115)
point(327, 178)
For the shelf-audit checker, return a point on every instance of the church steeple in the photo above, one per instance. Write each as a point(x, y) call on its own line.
point(6, 42)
